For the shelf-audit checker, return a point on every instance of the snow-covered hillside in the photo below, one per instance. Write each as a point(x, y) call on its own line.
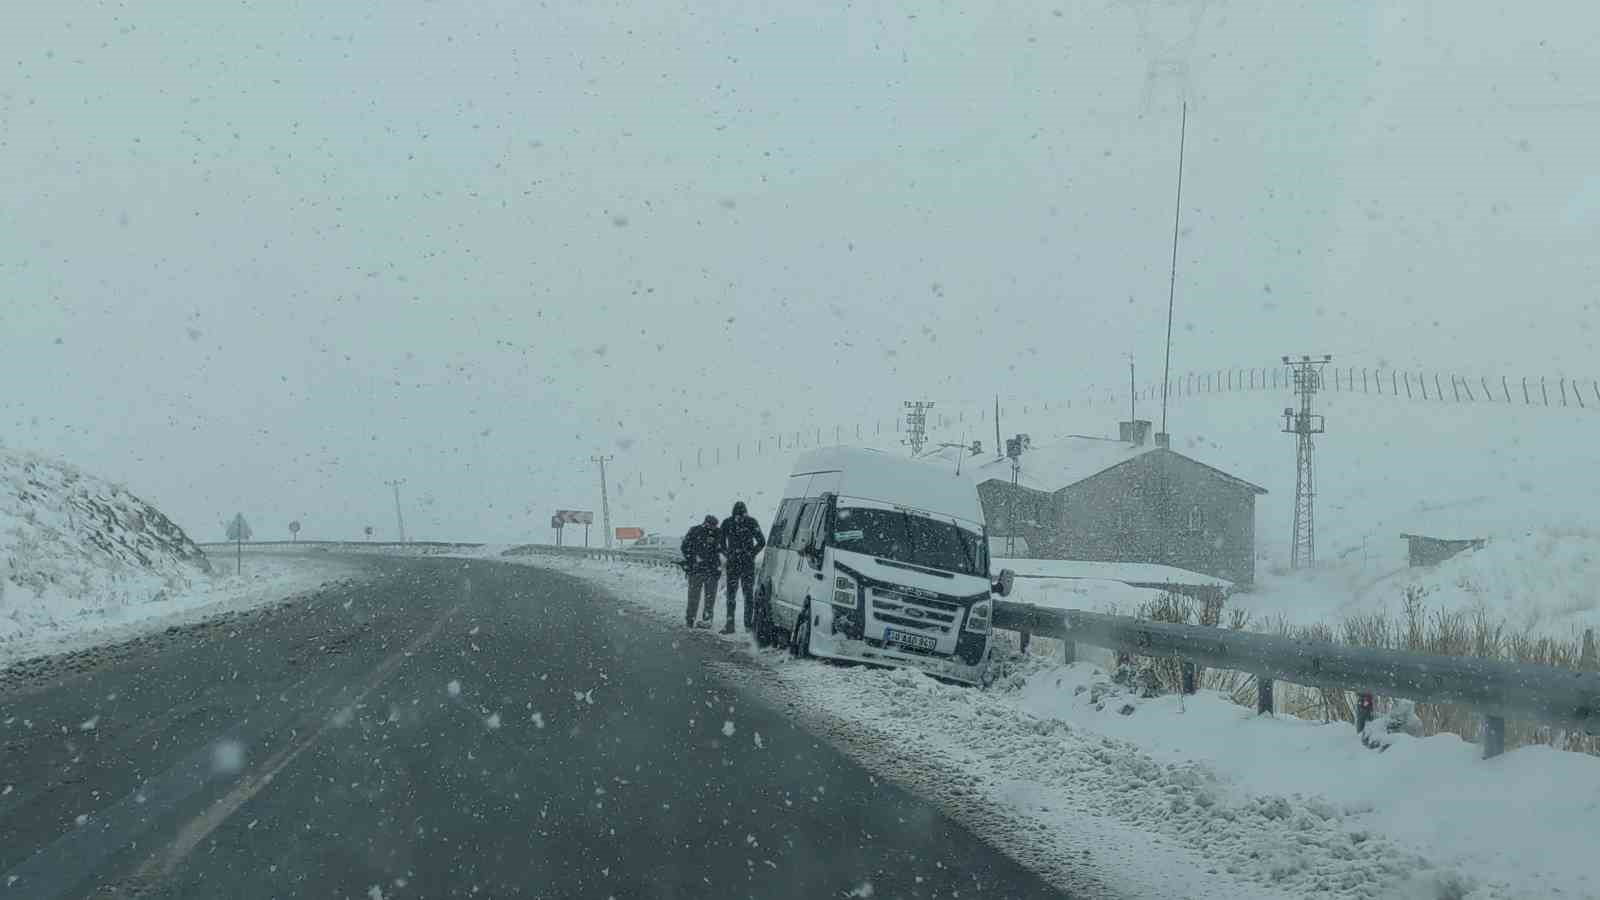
point(74, 544)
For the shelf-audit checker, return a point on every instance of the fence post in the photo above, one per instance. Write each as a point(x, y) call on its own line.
point(1596, 386)
point(1423, 382)
point(1494, 736)
point(1577, 394)
point(1525, 400)
point(1363, 379)
point(1263, 696)
point(1563, 391)
point(1506, 387)
point(718, 460)
point(1186, 670)
point(1391, 385)
point(1437, 391)
point(1544, 391)
point(1363, 712)
point(1587, 660)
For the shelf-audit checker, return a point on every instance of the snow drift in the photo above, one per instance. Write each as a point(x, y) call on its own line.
point(76, 546)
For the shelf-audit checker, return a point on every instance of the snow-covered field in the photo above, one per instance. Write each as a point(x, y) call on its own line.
point(1191, 797)
point(86, 563)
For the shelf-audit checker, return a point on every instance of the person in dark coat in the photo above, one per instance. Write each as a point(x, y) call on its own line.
point(741, 541)
point(702, 562)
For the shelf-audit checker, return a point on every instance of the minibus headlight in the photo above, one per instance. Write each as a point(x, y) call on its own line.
point(844, 591)
point(978, 618)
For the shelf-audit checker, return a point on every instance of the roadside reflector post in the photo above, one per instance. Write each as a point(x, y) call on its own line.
point(1494, 736)
point(1263, 696)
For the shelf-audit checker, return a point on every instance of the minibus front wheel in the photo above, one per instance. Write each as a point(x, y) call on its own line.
point(800, 639)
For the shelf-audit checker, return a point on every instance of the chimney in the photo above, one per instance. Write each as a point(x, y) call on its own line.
point(1163, 440)
point(1135, 432)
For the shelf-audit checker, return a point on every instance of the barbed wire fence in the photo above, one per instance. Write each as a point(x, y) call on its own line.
point(1575, 395)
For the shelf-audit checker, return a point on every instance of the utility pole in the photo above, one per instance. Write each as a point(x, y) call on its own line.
point(605, 500)
point(399, 520)
point(1303, 424)
point(917, 423)
point(1133, 413)
point(999, 445)
point(1014, 451)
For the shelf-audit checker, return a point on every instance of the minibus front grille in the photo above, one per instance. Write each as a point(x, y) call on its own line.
point(923, 624)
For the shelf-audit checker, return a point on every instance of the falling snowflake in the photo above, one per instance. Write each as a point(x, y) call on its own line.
point(227, 757)
point(493, 721)
point(453, 688)
point(90, 724)
point(727, 728)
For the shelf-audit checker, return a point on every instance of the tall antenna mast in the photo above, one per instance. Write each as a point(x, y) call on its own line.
point(1303, 423)
point(1172, 283)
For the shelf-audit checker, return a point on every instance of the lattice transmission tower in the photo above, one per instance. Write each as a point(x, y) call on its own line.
point(1303, 423)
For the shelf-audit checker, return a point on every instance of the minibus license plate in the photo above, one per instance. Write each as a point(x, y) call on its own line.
point(905, 639)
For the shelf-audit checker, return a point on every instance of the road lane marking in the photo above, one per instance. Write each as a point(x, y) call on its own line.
point(162, 864)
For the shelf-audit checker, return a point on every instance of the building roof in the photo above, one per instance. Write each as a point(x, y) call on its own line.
point(1063, 463)
point(1053, 466)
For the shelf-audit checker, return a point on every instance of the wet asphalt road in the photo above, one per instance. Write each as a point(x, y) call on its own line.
point(445, 729)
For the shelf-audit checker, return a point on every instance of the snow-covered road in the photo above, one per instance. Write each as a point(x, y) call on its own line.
point(1193, 797)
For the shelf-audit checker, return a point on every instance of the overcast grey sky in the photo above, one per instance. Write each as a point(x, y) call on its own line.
point(263, 256)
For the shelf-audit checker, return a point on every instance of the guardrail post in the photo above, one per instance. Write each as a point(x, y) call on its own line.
point(1263, 696)
point(1363, 712)
point(1494, 736)
point(1186, 672)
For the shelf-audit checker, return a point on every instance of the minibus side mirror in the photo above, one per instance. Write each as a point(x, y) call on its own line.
point(1006, 581)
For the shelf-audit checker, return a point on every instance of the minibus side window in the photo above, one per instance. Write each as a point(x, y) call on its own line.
point(782, 524)
point(792, 532)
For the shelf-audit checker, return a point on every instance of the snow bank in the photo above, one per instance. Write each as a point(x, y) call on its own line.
point(1546, 581)
point(1192, 797)
point(86, 561)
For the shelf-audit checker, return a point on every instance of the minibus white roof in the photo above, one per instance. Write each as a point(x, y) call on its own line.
point(886, 477)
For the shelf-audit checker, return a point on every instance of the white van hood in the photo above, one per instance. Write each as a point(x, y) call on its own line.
point(958, 585)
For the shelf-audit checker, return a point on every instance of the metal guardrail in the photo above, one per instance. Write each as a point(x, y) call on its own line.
point(1497, 690)
point(348, 545)
point(659, 558)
